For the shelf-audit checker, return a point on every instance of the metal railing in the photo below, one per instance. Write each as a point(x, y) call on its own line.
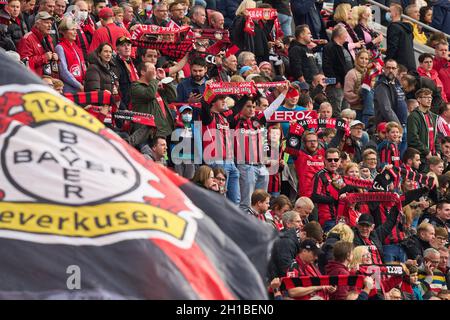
point(423, 25)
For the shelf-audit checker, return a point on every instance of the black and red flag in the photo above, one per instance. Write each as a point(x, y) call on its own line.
point(83, 215)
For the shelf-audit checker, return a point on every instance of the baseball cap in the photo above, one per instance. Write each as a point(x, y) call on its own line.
point(43, 15)
point(366, 219)
point(106, 13)
point(122, 40)
point(185, 107)
point(355, 123)
point(302, 85)
point(381, 127)
point(311, 245)
point(244, 69)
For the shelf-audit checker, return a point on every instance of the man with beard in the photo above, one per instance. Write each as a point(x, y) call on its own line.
point(308, 162)
point(422, 127)
point(191, 89)
point(389, 99)
point(327, 186)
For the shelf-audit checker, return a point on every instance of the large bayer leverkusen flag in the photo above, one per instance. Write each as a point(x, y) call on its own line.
point(75, 197)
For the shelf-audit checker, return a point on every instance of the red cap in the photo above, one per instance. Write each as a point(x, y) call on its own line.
point(106, 13)
point(381, 127)
point(292, 93)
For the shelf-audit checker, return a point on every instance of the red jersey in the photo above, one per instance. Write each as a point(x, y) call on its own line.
point(306, 166)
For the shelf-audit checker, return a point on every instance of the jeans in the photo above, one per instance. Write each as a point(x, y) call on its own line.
point(404, 144)
point(232, 187)
point(393, 253)
point(286, 24)
point(336, 97)
point(369, 110)
point(250, 179)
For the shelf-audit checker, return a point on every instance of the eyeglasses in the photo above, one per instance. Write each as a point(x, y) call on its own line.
point(333, 159)
point(221, 179)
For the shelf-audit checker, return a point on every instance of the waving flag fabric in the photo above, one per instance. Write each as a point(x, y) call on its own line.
point(73, 195)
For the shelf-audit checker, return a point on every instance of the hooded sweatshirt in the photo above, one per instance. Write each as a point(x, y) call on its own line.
point(400, 44)
point(335, 268)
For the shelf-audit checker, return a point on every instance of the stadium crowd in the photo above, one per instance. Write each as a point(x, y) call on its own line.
point(355, 179)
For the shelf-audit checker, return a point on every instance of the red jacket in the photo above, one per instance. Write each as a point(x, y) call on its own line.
point(102, 35)
point(30, 46)
point(307, 166)
point(433, 75)
point(334, 268)
point(444, 75)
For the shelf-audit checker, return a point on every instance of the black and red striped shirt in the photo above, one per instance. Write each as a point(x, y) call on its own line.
point(249, 139)
point(389, 154)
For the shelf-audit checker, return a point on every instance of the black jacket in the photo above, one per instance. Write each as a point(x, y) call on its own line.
point(284, 251)
point(282, 6)
point(414, 247)
point(378, 235)
point(334, 65)
point(258, 44)
point(327, 251)
point(425, 82)
point(98, 76)
point(124, 83)
point(17, 31)
point(301, 62)
point(400, 44)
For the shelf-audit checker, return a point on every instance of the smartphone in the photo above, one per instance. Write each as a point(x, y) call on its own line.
point(330, 80)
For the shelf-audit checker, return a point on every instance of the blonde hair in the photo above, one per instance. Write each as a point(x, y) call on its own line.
point(237, 78)
point(135, 3)
point(246, 4)
point(358, 253)
point(344, 231)
point(358, 11)
point(117, 10)
point(341, 13)
point(349, 166)
point(393, 124)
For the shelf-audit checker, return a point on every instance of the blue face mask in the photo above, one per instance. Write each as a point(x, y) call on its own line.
point(186, 117)
point(388, 17)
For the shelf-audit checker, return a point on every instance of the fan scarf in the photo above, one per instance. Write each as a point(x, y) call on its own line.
point(228, 88)
point(95, 98)
point(176, 49)
point(308, 281)
point(297, 129)
point(364, 197)
point(258, 14)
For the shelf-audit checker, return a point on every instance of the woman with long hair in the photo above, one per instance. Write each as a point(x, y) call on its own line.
point(102, 73)
point(344, 16)
point(204, 178)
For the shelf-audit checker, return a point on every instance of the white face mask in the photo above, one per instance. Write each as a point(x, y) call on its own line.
point(82, 15)
point(186, 117)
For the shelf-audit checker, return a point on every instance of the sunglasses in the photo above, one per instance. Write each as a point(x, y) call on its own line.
point(332, 159)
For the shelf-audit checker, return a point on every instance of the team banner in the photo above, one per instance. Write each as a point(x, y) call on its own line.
point(83, 215)
point(145, 29)
point(228, 88)
point(212, 34)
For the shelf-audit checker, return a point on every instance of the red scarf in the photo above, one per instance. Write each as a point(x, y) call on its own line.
point(75, 59)
point(429, 122)
point(259, 15)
